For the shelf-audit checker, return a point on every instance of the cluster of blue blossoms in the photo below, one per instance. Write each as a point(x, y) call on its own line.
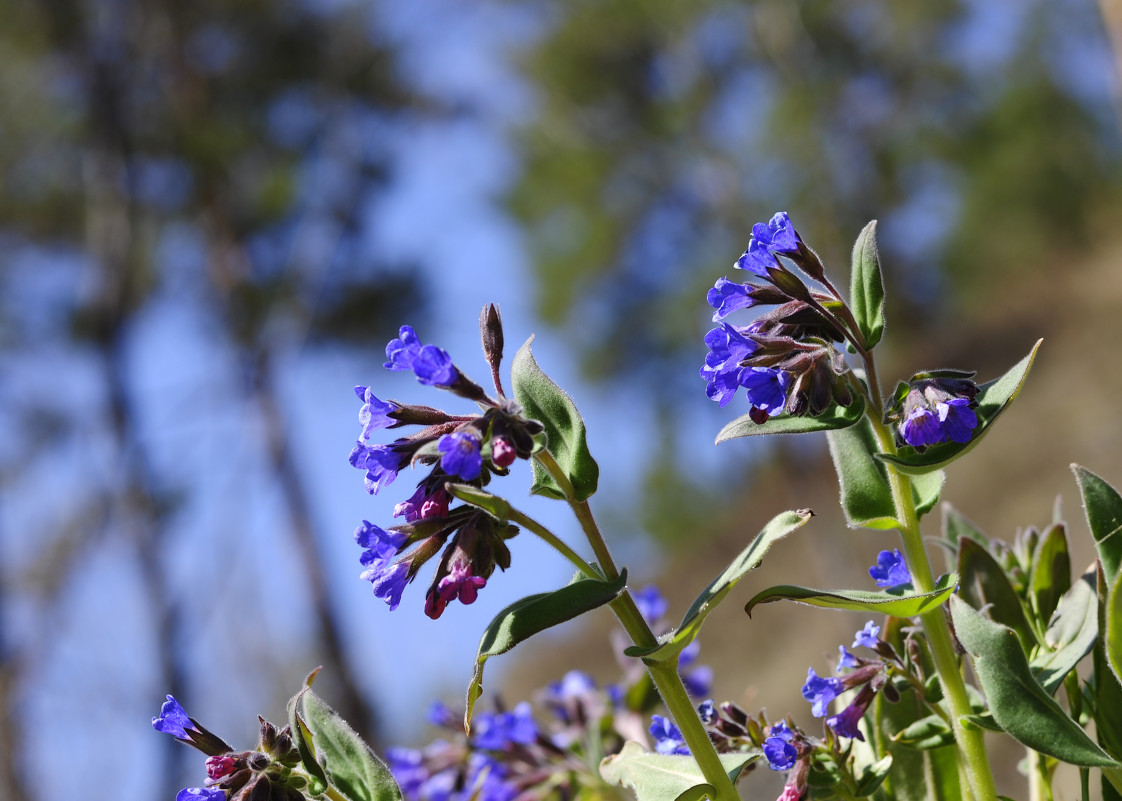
point(786, 360)
point(466, 449)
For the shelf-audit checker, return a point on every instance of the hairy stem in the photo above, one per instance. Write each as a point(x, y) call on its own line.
point(664, 674)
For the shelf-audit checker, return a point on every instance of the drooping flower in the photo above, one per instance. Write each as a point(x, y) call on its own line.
point(388, 580)
point(778, 235)
point(820, 692)
point(381, 463)
point(374, 413)
point(921, 428)
point(379, 545)
point(200, 794)
point(668, 738)
point(402, 352)
point(845, 722)
point(728, 296)
point(461, 455)
point(957, 419)
point(429, 363)
point(867, 637)
point(461, 583)
point(890, 570)
point(779, 748)
point(846, 660)
point(766, 388)
point(728, 345)
point(173, 720)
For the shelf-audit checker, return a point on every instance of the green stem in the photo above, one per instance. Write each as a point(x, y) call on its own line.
point(664, 674)
point(334, 794)
point(556, 542)
point(970, 741)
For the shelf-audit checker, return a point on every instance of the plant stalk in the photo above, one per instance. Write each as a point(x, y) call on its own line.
point(664, 674)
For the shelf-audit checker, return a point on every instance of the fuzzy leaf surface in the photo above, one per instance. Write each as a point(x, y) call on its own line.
point(898, 603)
point(778, 527)
point(1050, 575)
point(866, 286)
point(1017, 701)
point(1071, 634)
point(1103, 507)
point(542, 400)
point(662, 777)
point(984, 582)
point(533, 614)
point(993, 398)
point(833, 418)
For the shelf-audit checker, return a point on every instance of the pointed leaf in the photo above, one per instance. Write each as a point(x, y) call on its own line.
point(983, 583)
point(956, 526)
point(536, 613)
point(662, 777)
point(750, 558)
point(1017, 701)
point(929, 732)
point(865, 493)
point(833, 418)
point(1071, 634)
point(1106, 688)
point(493, 505)
point(1103, 507)
point(544, 401)
point(866, 286)
point(873, 776)
point(352, 768)
point(304, 740)
point(895, 602)
point(1050, 575)
point(993, 399)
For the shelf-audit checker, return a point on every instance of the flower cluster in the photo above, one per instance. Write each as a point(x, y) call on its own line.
point(461, 449)
point(269, 771)
point(785, 359)
point(934, 408)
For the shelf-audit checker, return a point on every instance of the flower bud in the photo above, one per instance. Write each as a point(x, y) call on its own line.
point(502, 452)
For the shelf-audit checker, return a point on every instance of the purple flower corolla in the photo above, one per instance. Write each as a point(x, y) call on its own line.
point(429, 363)
point(423, 505)
point(957, 419)
point(381, 463)
point(698, 681)
point(460, 583)
point(775, 236)
point(200, 794)
point(845, 659)
point(379, 545)
point(374, 413)
point(820, 692)
point(766, 388)
point(668, 738)
point(388, 580)
point(439, 714)
point(867, 637)
point(485, 781)
point(890, 570)
point(407, 767)
point(495, 730)
point(461, 455)
point(779, 749)
point(845, 722)
point(402, 352)
point(707, 711)
point(728, 296)
point(921, 428)
point(573, 684)
point(173, 720)
point(652, 606)
point(728, 345)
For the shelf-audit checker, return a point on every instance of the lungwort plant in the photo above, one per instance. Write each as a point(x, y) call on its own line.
point(994, 646)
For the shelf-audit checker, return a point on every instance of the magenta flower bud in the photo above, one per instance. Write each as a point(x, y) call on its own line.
point(218, 767)
point(502, 452)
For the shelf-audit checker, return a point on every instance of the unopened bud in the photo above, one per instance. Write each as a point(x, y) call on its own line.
point(258, 761)
point(491, 330)
point(218, 767)
point(502, 452)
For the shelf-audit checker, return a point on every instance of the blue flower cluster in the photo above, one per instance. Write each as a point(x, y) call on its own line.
point(937, 409)
point(467, 449)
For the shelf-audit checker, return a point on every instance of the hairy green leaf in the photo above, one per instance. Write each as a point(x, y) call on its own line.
point(493, 505)
point(866, 286)
point(1017, 701)
point(1113, 638)
point(662, 777)
point(984, 582)
point(544, 401)
point(1050, 575)
point(1071, 634)
point(993, 398)
point(1103, 507)
point(896, 602)
point(669, 648)
point(536, 613)
point(956, 525)
point(833, 418)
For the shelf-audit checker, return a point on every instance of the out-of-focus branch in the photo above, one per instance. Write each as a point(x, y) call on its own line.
point(1111, 11)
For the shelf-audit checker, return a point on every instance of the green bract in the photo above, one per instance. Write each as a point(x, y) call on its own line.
point(893, 602)
point(867, 286)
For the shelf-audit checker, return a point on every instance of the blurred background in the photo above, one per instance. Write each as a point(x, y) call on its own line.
point(214, 215)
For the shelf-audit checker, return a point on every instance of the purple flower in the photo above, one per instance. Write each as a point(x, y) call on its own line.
point(407, 767)
point(388, 579)
point(439, 714)
point(200, 794)
point(845, 659)
point(173, 720)
point(381, 463)
point(729, 345)
point(652, 606)
point(460, 583)
point(461, 455)
point(423, 505)
point(957, 419)
point(890, 570)
point(845, 722)
point(668, 739)
point(921, 428)
point(221, 766)
point(766, 388)
point(494, 731)
point(707, 711)
point(485, 781)
point(573, 684)
point(374, 413)
point(380, 545)
point(867, 637)
point(820, 692)
point(402, 351)
point(779, 749)
point(698, 681)
point(776, 236)
point(727, 296)
point(429, 363)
